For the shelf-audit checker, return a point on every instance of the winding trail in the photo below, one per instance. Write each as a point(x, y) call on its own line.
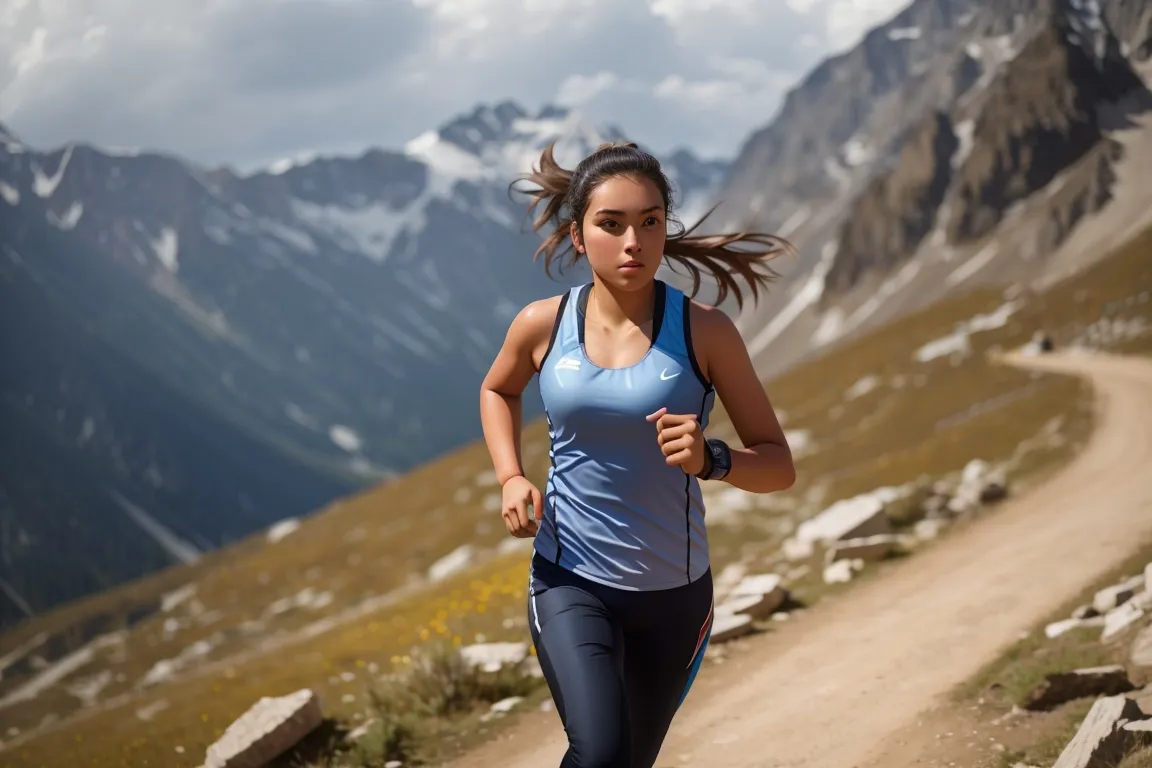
point(834, 688)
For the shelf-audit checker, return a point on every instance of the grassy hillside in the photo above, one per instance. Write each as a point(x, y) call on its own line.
point(343, 599)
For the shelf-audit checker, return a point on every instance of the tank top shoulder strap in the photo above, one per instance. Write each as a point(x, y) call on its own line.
point(675, 335)
point(565, 328)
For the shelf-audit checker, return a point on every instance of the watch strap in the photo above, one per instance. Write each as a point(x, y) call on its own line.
point(719, 460)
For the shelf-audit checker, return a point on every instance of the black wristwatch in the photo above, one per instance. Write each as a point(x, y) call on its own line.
point(718, 460)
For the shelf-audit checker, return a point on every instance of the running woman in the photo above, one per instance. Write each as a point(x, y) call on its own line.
point(620, 596)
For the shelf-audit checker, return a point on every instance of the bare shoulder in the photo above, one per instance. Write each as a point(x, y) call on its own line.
point(531, 329)
point(537, 318)
point(712, 325)
point(715, 338)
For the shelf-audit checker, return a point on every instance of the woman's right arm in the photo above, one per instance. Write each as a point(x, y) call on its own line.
point(500, 393)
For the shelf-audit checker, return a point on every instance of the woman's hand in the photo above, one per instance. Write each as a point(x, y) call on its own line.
point(681, 440)
point(518, 493)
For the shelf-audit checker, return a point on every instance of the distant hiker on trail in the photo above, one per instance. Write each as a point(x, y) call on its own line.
point(620, 593)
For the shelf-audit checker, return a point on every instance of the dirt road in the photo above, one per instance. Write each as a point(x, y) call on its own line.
point(832, 688)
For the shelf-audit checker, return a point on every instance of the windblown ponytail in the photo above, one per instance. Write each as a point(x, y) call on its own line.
point(564, 195)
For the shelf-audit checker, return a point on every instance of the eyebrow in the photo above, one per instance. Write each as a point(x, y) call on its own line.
point(614, 212)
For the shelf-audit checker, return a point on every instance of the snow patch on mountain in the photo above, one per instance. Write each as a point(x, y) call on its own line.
point(448, 162)
point(166, 247)
point(808, 294)
point(44, 185)
point(67, 220)
point(345, 437)
point(904, 33)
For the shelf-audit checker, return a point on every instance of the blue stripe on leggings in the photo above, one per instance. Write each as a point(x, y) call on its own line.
point(695, 667)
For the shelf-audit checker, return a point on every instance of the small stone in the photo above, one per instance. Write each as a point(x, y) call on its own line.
point(869, 548)
point(1114, 596)
point(490, 657)
point(928, 529)
point(1141, 655)
point(1116, 621)
point(1057, 628)
point(728, 626)
point(841, 571)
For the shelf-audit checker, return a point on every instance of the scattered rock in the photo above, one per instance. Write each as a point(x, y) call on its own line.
point(502, 707)
point(728, 578)
point(928, 529)
point(1116, 621)
point(513, 545)
point(1102, 740)
point(1142, 648)
point(841, 571)
point(1111, 598)
point(754, 606)
point(869, 549)
point(1057, 628)
point(980, 483)
point(490, 657)
point(728, 626)
point(1143, 699)
point(795, 549)
point(1061, 687)
point(935, 505)
point(360, 731)
point(452, 563)
point(531, 667)
point(267, 730)
point(282, 529)
point(854, 518)
point(757, 596)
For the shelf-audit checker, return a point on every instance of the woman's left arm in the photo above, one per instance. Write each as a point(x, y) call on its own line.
point(764, 464)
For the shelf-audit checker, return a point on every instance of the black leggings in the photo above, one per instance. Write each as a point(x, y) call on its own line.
point(618, 663)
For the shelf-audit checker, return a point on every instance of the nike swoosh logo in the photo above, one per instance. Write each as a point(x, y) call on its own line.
point(665, 378)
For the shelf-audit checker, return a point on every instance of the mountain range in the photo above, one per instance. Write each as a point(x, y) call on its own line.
point(193, 353)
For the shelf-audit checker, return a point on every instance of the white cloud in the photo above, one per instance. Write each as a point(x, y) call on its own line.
point(245, 81)
point(577, 90)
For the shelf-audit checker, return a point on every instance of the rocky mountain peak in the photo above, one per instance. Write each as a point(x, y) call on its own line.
point(1039, 115)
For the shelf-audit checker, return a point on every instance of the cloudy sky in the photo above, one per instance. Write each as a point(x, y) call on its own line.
point(248, 81)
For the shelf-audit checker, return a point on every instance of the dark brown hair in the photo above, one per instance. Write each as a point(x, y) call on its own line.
point(565, 196)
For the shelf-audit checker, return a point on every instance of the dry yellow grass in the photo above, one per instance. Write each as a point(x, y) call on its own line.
point(921, 419)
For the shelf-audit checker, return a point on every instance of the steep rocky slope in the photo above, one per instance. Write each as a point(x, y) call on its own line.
point(962, 172)
point(897, 210)
point(1038, 117)
point(904, 167)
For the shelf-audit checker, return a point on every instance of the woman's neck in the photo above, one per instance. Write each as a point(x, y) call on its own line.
point(615, 308)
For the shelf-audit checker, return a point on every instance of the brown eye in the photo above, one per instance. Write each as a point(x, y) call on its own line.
point(652, 221)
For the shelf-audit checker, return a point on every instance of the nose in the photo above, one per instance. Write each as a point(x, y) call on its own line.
point(631, 241)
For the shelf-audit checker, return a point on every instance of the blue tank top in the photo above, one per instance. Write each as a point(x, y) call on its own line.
point(614, 511)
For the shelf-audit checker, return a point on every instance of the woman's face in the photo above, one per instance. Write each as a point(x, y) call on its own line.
point(624, 231)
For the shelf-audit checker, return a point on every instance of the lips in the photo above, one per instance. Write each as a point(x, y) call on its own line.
point(631, 265)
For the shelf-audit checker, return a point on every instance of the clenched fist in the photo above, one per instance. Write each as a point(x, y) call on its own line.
point(681, 439)
point(518, 493)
